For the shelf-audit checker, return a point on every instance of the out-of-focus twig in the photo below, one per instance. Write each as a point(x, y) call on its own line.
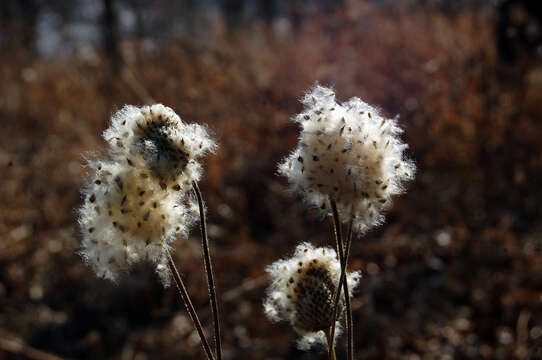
point(135, 85)
point(247, 286)
point(17, 346)
point(522, 334)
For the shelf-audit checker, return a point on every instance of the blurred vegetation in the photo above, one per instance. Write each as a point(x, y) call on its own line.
point(455, 272)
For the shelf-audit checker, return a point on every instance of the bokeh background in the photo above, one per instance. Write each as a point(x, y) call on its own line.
point(454, 273)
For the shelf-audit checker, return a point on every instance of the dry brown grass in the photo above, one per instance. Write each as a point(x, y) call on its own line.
point(474, 129)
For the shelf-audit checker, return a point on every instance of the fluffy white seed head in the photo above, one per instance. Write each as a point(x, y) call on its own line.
point(128, 217)
point(302, 291)
point(350, 153)
point(155, 137)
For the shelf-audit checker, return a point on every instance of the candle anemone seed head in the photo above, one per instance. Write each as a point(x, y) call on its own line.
point(156, 138)
point(302, 292)
point(128, 217)
point(349, 153)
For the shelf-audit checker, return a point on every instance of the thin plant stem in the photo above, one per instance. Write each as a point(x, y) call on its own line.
point(338, 238)
point(189, 307)
point(349, 322)
point(209, 271)
point(330, 345)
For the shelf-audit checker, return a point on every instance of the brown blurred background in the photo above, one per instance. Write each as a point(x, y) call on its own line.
point(456, 270)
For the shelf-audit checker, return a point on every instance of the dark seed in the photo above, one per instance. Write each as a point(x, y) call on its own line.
point(118, 181)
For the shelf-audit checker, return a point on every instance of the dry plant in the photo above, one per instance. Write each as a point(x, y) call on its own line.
point(455, 272)
point(137, 203)
point(348, 164)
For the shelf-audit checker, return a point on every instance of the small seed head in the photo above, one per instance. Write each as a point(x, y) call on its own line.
point(302, 291)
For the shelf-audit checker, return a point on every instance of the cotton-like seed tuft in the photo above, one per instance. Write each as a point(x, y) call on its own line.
point(155, 137)
point(302, 292)
point(136, 202)
point(350, 153)
point(126, 218)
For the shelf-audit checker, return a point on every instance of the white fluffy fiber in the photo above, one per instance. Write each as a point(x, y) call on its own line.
point(279, 304)
point(350, 153)
point(136, 203)
point(155, 137)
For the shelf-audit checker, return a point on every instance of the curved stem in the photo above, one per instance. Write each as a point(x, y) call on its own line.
point(330, 346)
point(209, 271)
point(189, 307)
point(338, 238)
point(349, 322)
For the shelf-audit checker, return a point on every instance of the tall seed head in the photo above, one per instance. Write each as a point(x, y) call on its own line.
point(136, 203)
point(350, 153)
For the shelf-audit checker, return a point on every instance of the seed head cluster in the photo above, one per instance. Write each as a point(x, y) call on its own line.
point(349, 153)
point(302, 291)
point(135, 203)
